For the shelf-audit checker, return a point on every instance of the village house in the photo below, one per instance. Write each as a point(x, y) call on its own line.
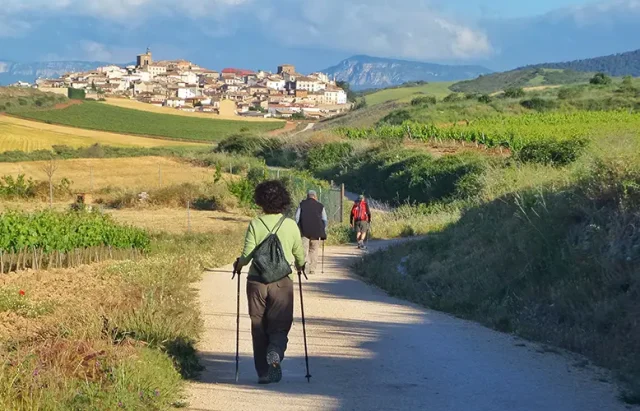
point(184, 85)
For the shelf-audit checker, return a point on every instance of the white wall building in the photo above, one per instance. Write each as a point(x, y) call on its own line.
point(187, 92)
point(275, 84)
point(189, 77)
point(156, 70)
point(335, 96)
point(309, 84)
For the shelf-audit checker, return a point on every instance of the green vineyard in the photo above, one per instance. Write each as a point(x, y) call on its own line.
point(512, 132)
point(55, 240)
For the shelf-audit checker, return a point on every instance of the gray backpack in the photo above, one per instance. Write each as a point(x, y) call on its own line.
point(268, 257)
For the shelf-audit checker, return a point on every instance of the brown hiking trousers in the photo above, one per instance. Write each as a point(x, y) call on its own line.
point(271, 312)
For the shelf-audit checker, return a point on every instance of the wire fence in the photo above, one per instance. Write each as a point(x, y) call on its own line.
point(330, 196)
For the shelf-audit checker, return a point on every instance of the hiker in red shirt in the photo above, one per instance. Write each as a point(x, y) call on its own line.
point(361, 220)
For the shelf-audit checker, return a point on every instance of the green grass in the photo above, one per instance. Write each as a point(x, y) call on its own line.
point(406, 94)
point(103, 117)
point(550, 254)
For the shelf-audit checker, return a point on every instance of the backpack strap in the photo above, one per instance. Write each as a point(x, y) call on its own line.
point(278, 225)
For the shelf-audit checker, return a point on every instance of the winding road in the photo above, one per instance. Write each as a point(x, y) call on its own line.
point(370, 351)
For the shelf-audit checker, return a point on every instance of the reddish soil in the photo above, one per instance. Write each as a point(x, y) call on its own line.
point(290, 126)
point(67, 104)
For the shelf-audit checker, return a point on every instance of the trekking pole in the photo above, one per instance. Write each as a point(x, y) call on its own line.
point(323, 241)
point(304, 327)
point(237, 272)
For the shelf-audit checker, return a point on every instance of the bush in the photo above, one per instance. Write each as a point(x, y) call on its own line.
point(422, 101)
point(539, 104)
point(76, 94)
point(570, 93)
point(485, 99)
point(601, 79)
point(396, 118)
point(328, 156)
point(242, 145)
point(454, 98)
point(552, 152)
point(514, 93)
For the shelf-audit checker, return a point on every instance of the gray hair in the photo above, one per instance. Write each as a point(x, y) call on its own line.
point(312, 194)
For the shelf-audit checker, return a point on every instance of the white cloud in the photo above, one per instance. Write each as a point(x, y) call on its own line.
point(379, 27)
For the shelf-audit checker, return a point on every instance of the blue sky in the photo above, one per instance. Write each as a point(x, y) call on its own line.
point(511, 8)
point(315, 34)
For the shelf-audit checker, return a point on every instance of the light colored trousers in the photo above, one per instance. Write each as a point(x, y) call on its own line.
point(311, 248)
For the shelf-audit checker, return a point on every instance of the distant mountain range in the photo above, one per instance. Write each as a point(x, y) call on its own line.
point(571, 72)
point(365, 72)
point(622, 64)
point(13, 72)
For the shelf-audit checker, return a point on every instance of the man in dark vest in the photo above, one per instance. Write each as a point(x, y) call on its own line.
point(312, 220)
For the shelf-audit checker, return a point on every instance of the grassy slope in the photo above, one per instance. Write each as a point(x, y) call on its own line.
point(405, 94)
point(492, 83)
point(99, 116)
point(547, 253)
point(25, 135)
point(15, 97)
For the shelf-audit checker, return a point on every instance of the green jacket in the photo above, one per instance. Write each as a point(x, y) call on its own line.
point(289, 236)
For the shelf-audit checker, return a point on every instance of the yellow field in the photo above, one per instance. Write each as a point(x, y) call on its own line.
point(131, 173)
point(136, 105)
point(175, 221)
point(25, 135)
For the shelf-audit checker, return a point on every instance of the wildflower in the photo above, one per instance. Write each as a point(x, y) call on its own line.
point(120, 404)
point(36, 372)
point(156, 393)
point(141, 394)
point(21, 292)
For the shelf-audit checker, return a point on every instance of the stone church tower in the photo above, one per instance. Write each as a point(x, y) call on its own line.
point(145, 60)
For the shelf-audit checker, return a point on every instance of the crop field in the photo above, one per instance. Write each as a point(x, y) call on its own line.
point(105, 117)
point(513, 132)
point(138, 173)
point(406, 94)
point(25, 135)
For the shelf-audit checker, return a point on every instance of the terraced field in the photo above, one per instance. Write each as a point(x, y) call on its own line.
point(25, 135)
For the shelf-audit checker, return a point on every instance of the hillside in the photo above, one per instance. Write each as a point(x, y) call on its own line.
point(104, 117)
point(526, 77)
point(623, 64)
point(364, 72)
point(11, 72)
point(406, 94)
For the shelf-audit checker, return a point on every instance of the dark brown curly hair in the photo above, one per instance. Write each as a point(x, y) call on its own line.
point(273, 197)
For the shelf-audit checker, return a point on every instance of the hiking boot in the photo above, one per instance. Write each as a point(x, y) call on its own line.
point(264, 380)
point(275, 371)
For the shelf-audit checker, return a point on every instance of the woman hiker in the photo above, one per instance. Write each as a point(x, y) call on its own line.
point(271, 304)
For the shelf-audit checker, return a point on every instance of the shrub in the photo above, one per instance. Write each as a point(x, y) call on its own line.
point(454, 98)
point(76, 94)
point(514, 93)
point(328, 156)
point(552, 152)
point(570, 93)
point(241, 144)
point(425, 100)
point(485, 99)
point(396, 118)
point(539, 104)
point(601, 79)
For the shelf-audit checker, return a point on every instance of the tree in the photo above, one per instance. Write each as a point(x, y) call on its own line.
point(485, 98)
point(600, 79)
point(50, 168)
point(351, 95)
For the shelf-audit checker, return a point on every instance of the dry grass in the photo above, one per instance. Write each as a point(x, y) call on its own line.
point(25, 135)
point(137, 173)
point(136, 105)
point(175, 221)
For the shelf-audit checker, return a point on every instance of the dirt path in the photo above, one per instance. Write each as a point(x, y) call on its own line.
point(370, 351)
